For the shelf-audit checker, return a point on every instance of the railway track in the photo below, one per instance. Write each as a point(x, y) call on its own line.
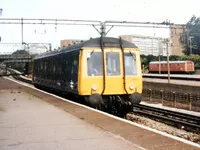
point(157, 76)
point(181, 120)
point(19, 76)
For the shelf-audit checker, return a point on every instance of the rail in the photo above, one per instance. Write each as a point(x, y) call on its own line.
point(18, 76)
point(175, 77)
point(181, 120)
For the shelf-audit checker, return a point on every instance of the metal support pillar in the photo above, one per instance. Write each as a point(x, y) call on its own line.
point(168, 65)
point(22, 31)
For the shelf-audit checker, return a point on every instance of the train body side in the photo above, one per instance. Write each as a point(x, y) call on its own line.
point(59, 72)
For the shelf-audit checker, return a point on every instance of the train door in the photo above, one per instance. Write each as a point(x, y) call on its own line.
point(113, 73)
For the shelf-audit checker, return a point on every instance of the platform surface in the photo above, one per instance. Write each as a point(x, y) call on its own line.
point(28, 123)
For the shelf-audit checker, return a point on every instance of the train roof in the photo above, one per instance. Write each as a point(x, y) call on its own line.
point(171, 62)
point(107, 42)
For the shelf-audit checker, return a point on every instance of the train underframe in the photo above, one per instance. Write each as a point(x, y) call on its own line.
point(118, 105)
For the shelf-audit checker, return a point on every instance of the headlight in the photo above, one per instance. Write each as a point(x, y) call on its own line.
point(131, 86)
point(94, 87)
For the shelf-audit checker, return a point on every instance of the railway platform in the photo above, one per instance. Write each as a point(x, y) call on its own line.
point(173, 81)
point(27, 122)
point(190, 80)
point(32, 119)
point(175, 76)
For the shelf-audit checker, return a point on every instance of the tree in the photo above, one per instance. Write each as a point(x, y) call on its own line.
point(19, 54)
point(146, 59)
point(194, 58)
point(192, 36)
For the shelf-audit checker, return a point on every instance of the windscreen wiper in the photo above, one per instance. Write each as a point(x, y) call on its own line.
point(132, 54)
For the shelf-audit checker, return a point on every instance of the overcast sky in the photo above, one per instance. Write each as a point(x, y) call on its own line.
point(176, 11)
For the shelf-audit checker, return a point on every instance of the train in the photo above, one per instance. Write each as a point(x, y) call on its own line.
point(178, 67)
point(104, 72)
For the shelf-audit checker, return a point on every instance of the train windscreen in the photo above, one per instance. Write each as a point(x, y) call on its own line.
point(130, 64)
point(113, 63)
point(94, 63)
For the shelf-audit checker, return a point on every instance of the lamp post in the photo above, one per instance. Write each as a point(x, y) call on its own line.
point(1, 10)
point(159, 54)
point(22, 31)
point(190, 40)
point(168, 66)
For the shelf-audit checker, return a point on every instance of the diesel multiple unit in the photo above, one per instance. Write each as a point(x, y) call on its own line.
point(105, 72)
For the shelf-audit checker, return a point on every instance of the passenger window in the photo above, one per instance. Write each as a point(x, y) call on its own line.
point(112, 63)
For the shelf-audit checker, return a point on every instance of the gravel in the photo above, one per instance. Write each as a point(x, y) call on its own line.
point(164, 128)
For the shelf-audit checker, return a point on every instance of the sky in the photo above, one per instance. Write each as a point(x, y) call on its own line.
point(178, 12)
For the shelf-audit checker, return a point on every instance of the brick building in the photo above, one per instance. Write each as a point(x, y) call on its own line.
point(175, 37)
point(68, 42)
